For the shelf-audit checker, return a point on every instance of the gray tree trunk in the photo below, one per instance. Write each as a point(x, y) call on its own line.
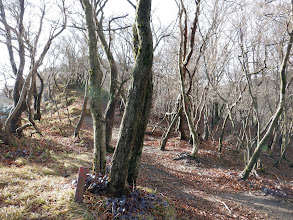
point(132, 118)
point(95, 89)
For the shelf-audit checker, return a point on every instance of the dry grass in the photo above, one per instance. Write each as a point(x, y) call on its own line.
point(36, 191)
point(38, 184)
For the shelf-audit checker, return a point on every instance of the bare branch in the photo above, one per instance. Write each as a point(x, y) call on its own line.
point(131, 4)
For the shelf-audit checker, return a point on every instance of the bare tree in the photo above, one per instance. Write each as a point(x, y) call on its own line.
point(273, 121)
point(184, 59)
point(17, 71)
point(22, 91)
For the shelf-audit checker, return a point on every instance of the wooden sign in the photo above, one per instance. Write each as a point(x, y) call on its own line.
point(80, 184)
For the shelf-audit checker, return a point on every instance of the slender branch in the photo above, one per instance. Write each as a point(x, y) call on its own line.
point(131, 4)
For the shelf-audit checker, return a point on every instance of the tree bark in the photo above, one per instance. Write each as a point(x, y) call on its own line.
point(134, 162)
point(132, 118)
point(95, 89)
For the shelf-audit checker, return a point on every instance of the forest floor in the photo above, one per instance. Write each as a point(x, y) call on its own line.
point(36, 174)
point(209, 187)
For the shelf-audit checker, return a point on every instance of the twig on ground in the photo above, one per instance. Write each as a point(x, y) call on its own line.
point(223, 204)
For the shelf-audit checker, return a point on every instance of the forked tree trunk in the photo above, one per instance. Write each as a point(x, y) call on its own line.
point(166, 135)
point(110, 110)
point(193, 133)
point(184, 59)
point(229, 114)
point(21, 86)
point(95, 89)
point(132, 118)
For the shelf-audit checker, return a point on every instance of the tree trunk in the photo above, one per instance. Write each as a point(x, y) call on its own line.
point(134, 162)
point(215, 114)
point(222, 133)
point(206, 128)
point(229, 114)
point(193, 133)
point(171, 126)
point(95, 89)
point(110, 110)
point(83, 110)
point(38, 99)
point(132, 118)
point(183, 135)
point(184, 59)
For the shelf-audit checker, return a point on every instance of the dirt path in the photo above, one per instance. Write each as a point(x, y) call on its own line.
point(199, 198)
point(205, 189)
point(276, 208)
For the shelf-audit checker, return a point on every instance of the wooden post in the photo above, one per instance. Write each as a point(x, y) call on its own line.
point(80, 184)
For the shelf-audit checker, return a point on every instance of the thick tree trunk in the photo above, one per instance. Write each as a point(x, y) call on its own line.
point(134, 162)
point(132, 117)
point(95, 89)
point(16, 113)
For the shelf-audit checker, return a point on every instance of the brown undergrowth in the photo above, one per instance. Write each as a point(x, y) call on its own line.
point(36, 174)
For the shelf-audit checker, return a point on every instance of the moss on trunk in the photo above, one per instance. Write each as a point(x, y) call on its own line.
point(95, 96)
point(132, 118)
